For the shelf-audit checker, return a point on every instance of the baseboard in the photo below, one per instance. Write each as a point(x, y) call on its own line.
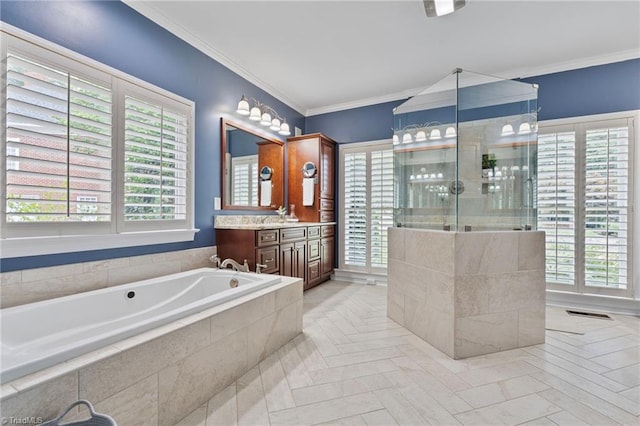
point(359, 277)
point(615, 305)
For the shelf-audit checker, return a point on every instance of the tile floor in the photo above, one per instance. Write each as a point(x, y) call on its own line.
point(354, 366)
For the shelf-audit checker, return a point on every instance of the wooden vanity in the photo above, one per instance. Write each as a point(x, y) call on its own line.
point(303, 249)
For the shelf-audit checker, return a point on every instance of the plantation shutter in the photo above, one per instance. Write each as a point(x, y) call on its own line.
point(244, 180)
point(58, 145)
point(355, 209)
point(155, 176)
point(606, 194)
point(368, 206)
point(381, 201)
point(557, 204)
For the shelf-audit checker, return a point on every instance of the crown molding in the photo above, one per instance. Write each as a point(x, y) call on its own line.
point(509, 74)
point(146, 9)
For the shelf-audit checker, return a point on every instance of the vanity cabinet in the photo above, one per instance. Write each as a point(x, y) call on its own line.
point(319, 150)
point(305, 252)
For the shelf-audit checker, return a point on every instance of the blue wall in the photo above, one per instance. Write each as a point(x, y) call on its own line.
point(594, 90)
point(116, 35)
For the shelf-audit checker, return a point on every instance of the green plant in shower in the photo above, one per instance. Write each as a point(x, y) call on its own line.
point(488, 161)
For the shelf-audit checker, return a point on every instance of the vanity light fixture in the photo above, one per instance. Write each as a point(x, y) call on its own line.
point(507, 130)
point(264, 114)
point(450, 132)
point(422, 133)
point(442, 7)
point(524, 129)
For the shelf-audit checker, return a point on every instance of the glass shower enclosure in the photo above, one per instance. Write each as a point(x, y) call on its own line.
point(465, 154)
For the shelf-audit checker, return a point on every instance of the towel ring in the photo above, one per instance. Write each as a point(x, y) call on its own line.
point(309, 169)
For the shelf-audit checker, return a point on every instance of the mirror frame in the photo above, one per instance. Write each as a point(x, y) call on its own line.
point(278, 169)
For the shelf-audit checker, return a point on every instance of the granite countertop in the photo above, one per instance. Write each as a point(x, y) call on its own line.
point(259, 222)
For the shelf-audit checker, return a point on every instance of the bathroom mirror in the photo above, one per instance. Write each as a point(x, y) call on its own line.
point(246, 156)
point(266, 172)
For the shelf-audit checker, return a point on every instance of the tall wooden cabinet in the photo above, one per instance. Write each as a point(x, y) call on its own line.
point(320, 150)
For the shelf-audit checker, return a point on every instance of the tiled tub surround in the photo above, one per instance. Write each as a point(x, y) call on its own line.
point(161, 375)
point(33, 285)
point(468, 293)
point(46, 333)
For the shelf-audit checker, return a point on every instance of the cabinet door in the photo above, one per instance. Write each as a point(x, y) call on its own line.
point(314, 249)
point(326, 256)
point(326, 169)
point(268, 256)
point(313, 273)
point(300, 260)
point(286, 260)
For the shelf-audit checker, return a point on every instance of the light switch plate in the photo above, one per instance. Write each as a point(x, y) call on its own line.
point(217, 203)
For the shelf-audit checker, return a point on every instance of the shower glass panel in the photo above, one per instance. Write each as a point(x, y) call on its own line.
point(464, 155)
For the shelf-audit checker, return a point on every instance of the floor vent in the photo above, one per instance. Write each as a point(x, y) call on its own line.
point(589, 315)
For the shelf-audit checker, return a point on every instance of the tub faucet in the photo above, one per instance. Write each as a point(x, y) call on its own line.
point(216, 260)
point(235, 265)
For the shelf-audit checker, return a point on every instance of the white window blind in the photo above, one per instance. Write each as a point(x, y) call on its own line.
point(367, 200)
point(155, 162)
point(89, 151)
point(606, 195)
point(557, 204)
point(355, 209)
point(244, 180)
point(381, 201)
point(584, 187)
point(59, 126)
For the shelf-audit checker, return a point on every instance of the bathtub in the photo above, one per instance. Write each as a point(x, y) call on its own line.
point(43, 334)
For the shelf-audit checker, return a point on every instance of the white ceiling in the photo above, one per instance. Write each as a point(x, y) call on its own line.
point(321, 56)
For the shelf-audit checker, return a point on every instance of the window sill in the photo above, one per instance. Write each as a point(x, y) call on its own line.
point(36, 246)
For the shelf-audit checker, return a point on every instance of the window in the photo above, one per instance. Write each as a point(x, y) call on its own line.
point(244, 180)
point(89, 151)
point(367, 201)
point(61, 126)
point(584, 188)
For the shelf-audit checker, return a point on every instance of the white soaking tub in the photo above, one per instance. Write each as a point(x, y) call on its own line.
point(43, 334)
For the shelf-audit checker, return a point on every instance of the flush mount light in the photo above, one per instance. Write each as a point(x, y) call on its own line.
point(442, 7)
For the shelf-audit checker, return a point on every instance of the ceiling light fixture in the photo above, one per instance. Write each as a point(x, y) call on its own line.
point(442, 7)
point(263, 113)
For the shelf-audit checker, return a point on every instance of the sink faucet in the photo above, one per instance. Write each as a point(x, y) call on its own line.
point(235, 265)
point(216, 260)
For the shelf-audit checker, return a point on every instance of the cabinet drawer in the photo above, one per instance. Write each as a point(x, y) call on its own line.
point(313, 271)
point(293, 234)
point(267, 237)
point(314, 249)
point(326, 204)
point(327, 230)
point(326, 216)
point(313, 232)
point(268, 256)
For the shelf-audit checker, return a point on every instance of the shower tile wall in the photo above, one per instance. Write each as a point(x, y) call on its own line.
point(33, 285)
point(468, 293)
